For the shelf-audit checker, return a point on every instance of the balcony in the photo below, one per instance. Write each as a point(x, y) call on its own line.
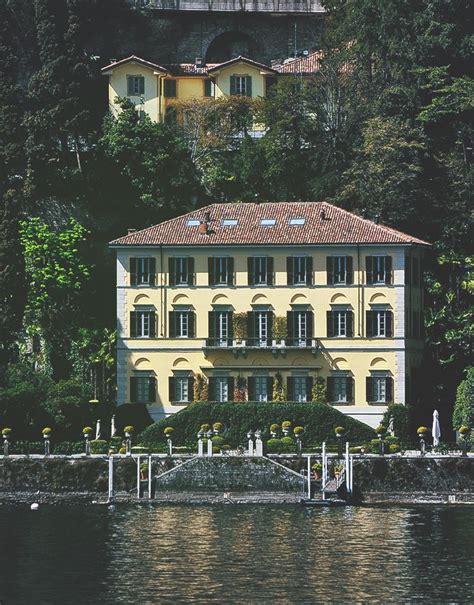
point(241, 347)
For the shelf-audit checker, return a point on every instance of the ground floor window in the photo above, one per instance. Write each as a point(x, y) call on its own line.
point(261, 392)
point(380, 388)
point(181, 388)
point(300, 388)
point(142, 389)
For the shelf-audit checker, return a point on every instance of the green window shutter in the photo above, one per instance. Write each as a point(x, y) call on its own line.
point(191, 389)
point(230, 272)
point(389, 389)
point(415, 272)
point(330, 270)
point(172, 271)
point(251, 388)
point(212, 389)
point(212, 324)
point(309, 270)
point(151, 389)
point(408, 270)
point(171, 388)
point(232, 85)
point(350, 323)
point(170, 89)
point(369, 269)
point(248, 86)
point(172, 324)
point(211, 270)
point(369, 390)
point(270, 274)
point(191, 324)
point(349, 270)
point(133, 271)
point(310, 323)
point(350, 389)
point(141, 85)
point(290, 274)
point(290, 325)
point(369, 324)
point(330, 388)
point(191, 274)
point(388, 270)
point(309, 388)
point(251, 324)
point(251, 270)
point(230, 388)
point(208, 88)
point(330, 324)
point(290, 388)
point(130, 86)
point(152, 324)
point(133, 324)
point(152, 271)
point(133, 389)
point(270, 317)
point(269, 388)
point(389, 324)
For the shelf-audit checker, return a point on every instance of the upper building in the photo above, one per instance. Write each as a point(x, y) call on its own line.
point(244, 297)
point(153, 88)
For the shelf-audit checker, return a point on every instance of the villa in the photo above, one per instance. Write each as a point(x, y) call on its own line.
point(231, 300)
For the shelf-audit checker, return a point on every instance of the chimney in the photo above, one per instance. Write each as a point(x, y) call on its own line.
point(323, 216)
point(130, 231)
point(207, 217)
point(198, 62)
point(203, 228)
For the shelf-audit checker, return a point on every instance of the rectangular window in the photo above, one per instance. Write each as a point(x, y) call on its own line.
point(261, 390)
point(340, 389)
point(169, 89)
point(182, 388)
point(142, 389)
point(181, 271)
point(135, 86)
point(340, 323)
point(209, 88)
point(378, 269)
point(221, 271)
point(182, 324)
point(299, 328)
point(299, 270)
point(260, 271)
point(379, 323)
point(143, 324)
point(222, 389)
point(241, 85)
point(142, 271)
point(380, 388)
point(220, 328)
point(262, 328)
point(300, 388)
point(339, 270)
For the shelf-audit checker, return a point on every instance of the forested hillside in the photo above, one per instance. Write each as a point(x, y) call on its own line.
point(384, 129)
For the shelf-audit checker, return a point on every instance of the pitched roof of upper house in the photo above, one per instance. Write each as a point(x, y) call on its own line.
point(302, 65)
point(241, 59)
point(134, 59)
point(279, 224)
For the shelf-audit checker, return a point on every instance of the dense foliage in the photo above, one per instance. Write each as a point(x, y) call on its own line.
point(318, 420)
point(383, 129)
point(464, 405)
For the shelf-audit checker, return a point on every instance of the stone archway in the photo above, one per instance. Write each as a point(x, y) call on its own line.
point(231, 44)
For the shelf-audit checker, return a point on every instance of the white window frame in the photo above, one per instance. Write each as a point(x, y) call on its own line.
point(379, 269)
point(260, 270)
point(143, 389)
point(182, 389)
point(261, 393)
point(241, 85)
point(341, 323)
point(136, 78)
point(380, 323)
point(299, 388)
point(221, 268)
point(379, 387)
point(222, 327)
point(300, 268)
point(143, 270)
point(301, 327)
point(143, 323)
point(340, 389)
point(181, 270)
point(262, 328)
point(222, 389)
point(182, 324)
point(340, 269)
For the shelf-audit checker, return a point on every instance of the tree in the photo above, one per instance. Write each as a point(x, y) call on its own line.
point(464, 405)
point(56, 275)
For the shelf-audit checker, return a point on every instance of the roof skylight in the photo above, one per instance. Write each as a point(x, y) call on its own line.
point(268, 222)
point(296, 221)
point(230, 222)
point(192, 222)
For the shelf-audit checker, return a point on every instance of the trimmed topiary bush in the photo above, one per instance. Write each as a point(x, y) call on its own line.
point(318, 420)
point(99, 446)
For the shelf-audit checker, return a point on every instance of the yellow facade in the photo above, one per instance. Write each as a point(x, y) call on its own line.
point(358, 357)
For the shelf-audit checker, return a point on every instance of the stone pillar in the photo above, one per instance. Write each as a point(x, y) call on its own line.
point(258, 443)
point(209, 443)
point(251, 445)
point(170, 446)
point(200, 445)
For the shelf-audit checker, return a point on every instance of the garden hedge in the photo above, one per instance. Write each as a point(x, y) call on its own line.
point(319, 421)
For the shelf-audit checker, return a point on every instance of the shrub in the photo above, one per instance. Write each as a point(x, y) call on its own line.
point(128, 429)
point(317, 467)
point(136, 414)
point(46, 430)
point(380, 429)
point(99, 446)
point(6, 431)
point(169, 430)
point(463, 413)
point(298, 430)
point(318, 420)
point(398, 415)
point(274, 428)
point(87, 430)
point(218, 441)
point(286, 424)
point(205, 427)
point(68, 448)
point(374, 446)
point(421, 430)
point(274, 446)
point(339, 430)
point(218, 426)
point(319, 391)
point(394, 448)
point(464, 430)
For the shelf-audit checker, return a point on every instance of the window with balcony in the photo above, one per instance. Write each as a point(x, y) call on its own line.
point(299, 328)
point(340, 323)
point(221, 271)
point(339, 270)
point(378, 269)
point(379, 388)
point(135, 85)
point(142, 271)
point(143, 323)
point(220, 328)
point(299, 270)
point(260, 271)
point(182, 323)
point(181, 271)
point(143, 389)
point(181, 388)
point(299, 388)
point(379, 323)
point(340, 388)
point(259, 328)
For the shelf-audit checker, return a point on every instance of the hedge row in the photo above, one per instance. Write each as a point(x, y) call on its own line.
point(319, 421)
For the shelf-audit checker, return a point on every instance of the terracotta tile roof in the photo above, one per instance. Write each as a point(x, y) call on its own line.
point(245, 60)
point(323, 224)
point(303, 65)
point(134, 59)
point(188, 69)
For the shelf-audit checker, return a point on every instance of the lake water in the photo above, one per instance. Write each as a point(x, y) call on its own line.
point(236, 554)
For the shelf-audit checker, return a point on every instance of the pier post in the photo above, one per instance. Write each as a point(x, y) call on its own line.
point(251, 445)
point(149, 477)
point(138, 477)
point(111, 478)
point(309, 476)
point(258, 443)
point(200, 444)
point(348, 469)
point(209, 443)
point(325, 470)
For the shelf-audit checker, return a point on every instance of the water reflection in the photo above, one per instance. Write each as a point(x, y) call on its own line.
point(235, 554)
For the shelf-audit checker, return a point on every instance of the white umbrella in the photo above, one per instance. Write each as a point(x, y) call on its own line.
point(97, 430)
point(113, 430)
point(436, 430)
